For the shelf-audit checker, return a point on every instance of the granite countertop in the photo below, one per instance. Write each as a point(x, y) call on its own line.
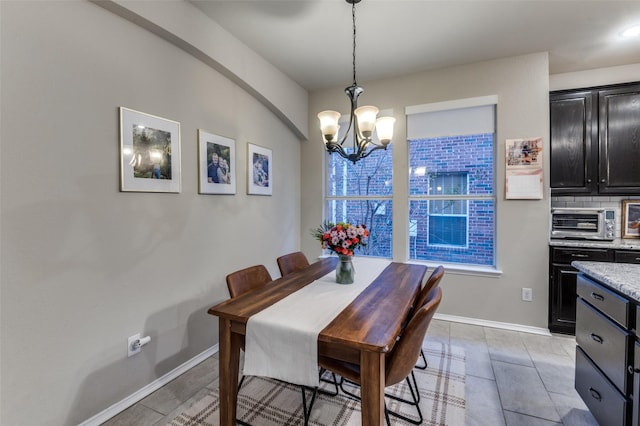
point(619, 243)
point(624, 277)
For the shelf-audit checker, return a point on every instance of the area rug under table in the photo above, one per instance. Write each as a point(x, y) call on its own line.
point(267, 402)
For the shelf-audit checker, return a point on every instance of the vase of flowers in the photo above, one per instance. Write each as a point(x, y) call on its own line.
point(342, 238)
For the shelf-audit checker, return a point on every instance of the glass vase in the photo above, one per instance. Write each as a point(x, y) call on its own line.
point(344, 270)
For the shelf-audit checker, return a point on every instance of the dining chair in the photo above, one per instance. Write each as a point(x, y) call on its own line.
point(432, 282)
point(400, 361)
point(247, 279)
point(292, 262)
point(244, 281)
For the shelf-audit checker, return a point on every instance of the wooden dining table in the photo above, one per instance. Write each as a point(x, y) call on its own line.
point(362, 333)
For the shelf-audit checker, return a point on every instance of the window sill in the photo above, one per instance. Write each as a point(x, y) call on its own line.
point(475, 270)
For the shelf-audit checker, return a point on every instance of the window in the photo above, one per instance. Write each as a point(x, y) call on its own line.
point(447, 218)
point(451, 183)
point(361, 194)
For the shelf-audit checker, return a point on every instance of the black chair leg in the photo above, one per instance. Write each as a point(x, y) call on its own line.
point(424, 359)
point(347, 392)
point(415, 395)
point(307, 411)
point(386, 415)
point(240, 422)
point(334, 382)
point(413, 390)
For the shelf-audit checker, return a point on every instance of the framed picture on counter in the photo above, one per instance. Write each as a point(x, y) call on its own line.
point(630, 218)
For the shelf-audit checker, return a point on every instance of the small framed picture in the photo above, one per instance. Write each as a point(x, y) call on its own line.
point(630, 218)
point(259, 168)
point(149, 153)
point(216, 163)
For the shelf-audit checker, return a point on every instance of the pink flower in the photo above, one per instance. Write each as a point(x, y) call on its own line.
point(343, 238)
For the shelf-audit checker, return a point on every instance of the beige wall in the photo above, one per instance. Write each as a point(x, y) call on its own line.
point(522, 85)
point(595, 77)
point(83, 265)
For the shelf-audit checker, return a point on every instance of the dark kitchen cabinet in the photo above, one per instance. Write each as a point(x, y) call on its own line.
point(604, 353)
point(573, 143)
point(595, 136)
point(619, 128)
point(562, 280)
point(562, 284)
point(627, 256)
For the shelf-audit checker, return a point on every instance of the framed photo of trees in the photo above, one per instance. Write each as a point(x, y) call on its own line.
point(149, 153)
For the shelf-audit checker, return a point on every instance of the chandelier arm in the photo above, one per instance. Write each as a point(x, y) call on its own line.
point(374, 148)
point(337, 148)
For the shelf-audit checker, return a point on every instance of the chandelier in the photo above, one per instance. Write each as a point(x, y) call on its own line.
point(363, 119)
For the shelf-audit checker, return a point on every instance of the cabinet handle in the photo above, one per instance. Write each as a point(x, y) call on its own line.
point(595, 394)
point(597, 338)
point(632, 370)
point(603, 180)
point(597, 296)
point(588, 180)
point(579, 255)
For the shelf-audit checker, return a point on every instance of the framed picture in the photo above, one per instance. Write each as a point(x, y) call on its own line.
point(259, 168)
point(630, 218)
point(216, 164)
point(149, 153)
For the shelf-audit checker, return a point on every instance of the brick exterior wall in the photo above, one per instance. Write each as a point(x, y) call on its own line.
point(470, 156)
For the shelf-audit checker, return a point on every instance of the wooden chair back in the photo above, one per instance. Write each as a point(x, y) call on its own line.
point(292, 262)
point(247, 279)
point(406, 351)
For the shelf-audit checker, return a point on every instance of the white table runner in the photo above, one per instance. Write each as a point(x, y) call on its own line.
point(282, 340)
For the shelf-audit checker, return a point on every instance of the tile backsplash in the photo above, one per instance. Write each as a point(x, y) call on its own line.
point(614, 202)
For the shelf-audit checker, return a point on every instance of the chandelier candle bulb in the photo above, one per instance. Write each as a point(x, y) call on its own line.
point(366, 117)
point(384, 129)
point(329, 124)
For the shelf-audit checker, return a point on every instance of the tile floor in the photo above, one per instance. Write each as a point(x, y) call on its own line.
point(513, 379)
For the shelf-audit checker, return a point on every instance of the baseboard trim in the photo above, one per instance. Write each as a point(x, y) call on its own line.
point(119, 407)
point(493, 324)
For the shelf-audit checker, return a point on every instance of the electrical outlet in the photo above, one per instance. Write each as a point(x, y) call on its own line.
point(131, 350)
point(527, 294)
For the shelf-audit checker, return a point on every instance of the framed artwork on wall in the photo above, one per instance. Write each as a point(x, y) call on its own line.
point(149, 153)
point(630, 218)
point(216, 164)
point(259, 170)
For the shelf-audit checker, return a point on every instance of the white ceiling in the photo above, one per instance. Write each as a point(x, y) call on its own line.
point(311, 40)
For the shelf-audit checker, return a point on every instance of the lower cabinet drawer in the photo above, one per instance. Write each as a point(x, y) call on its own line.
point(615, 306)
point(627, 256)
point(607, 405)
point(605, 342)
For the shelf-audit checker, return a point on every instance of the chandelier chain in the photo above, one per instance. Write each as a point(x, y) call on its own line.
point(353, 17)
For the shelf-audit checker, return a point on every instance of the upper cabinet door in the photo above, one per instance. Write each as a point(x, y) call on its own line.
point(619, 124)
point(573, 157)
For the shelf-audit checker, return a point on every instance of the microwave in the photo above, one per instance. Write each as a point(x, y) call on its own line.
point(583, 223)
